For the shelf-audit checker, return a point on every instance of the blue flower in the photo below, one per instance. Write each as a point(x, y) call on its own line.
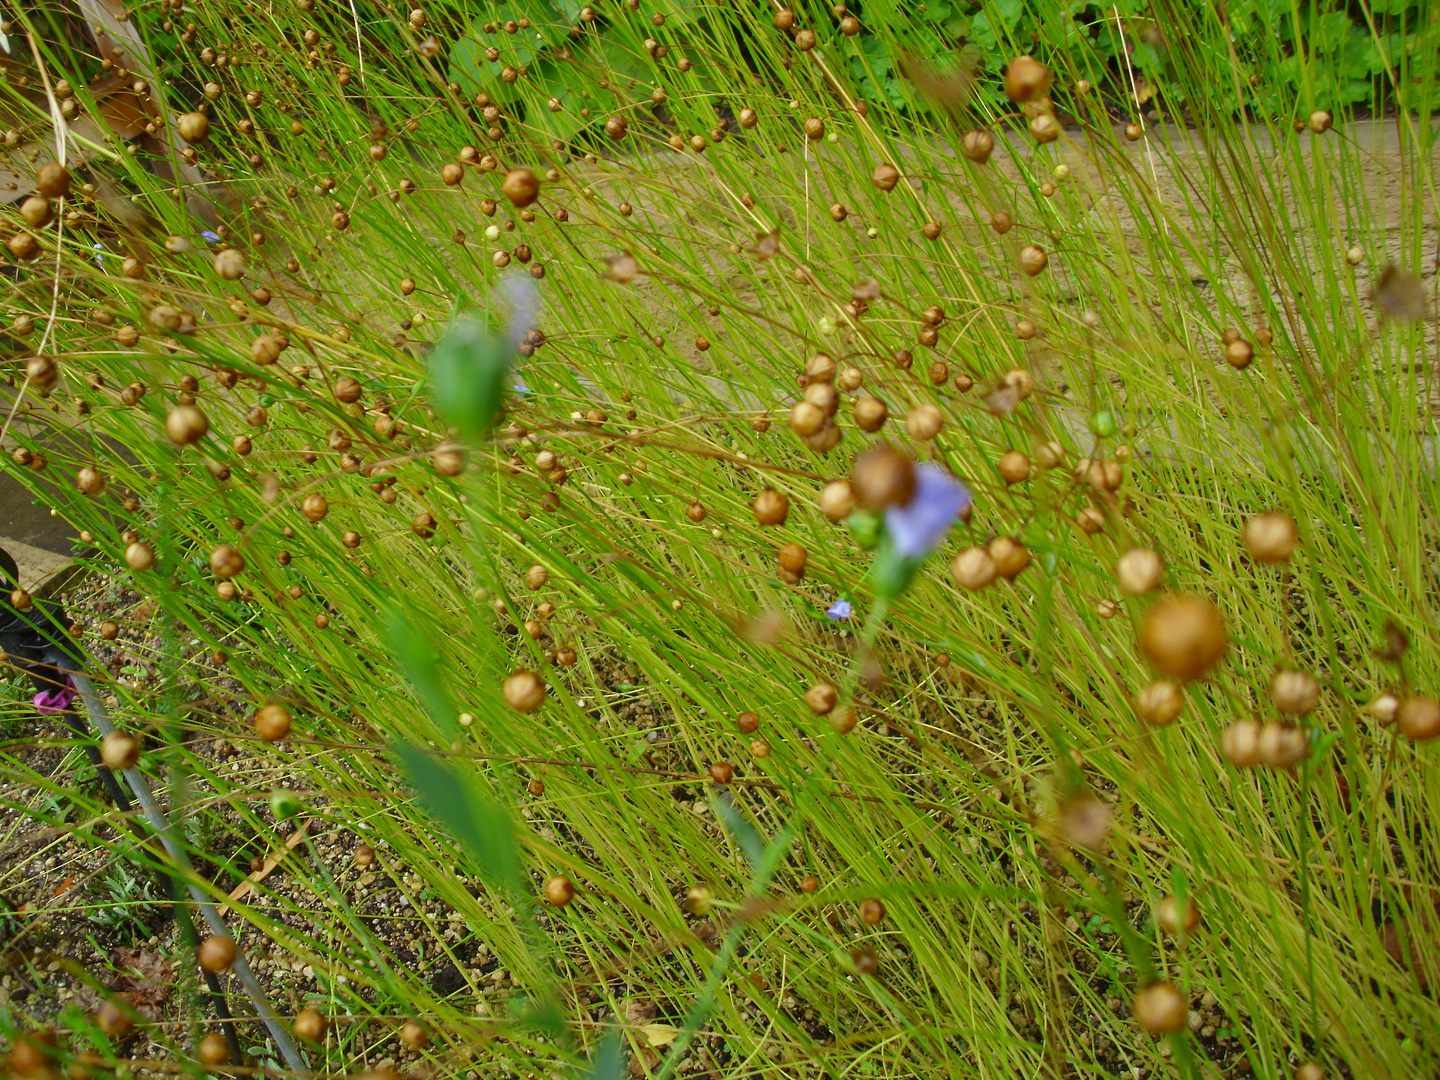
point(213, 237)
point(520, 387)
point(918, 527)
point(839, 610)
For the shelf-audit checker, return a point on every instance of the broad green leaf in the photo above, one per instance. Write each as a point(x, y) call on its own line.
point(467, 374)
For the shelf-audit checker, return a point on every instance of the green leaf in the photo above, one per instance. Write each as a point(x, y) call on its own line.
point(479, 826)
point(745, 835)
point(467, 374)
point(606, 1065)
point(416, 657)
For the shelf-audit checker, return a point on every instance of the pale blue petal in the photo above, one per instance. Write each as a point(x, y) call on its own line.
point(919, 526)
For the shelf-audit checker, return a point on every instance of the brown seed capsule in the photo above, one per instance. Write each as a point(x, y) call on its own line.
point(1270, 538)
point(559, 890)
point(1161, 1008)
point(747, 723)
point(1176, 918)
point(771, 507)
point(1321, 121)
point(1238, 354)
point(120, 750)
point(230, 264)
point(1139, 571)
point(536, 577)
point(616, 127)
point(1044, 128)
point(1184, 636)
point(844, 719)
point(1309, 1070)
point(809, 883)
point(837, 500)
point(792, 559)
point(310, 1025)
point(977, 145)
point(413, 1035)
point(1282, 746)
point(1240, 743)
point(524, 691)
point(109, 630)
point(315, 507)
point(212, 1049)
point(186, 424)
point(807, 418)
point(364, 857)
point(1418, 717)
point(1294, 692)
point(821, 698)
point(89, 481)
point(931, 230)
point(973, 569)
point(814, 127)
point(695, 512)
point(1134, 132)
point(37, 212)
point(272, 723)
point(1026, 79)
point(721, 772)
point(1010, 556)
point(452, 174)
point(348, 390)
point(521, 187)
point(52, 181)
point(865, 961)
point(924, 421)
point(883, 476)
point(139, 556)
point(1013, 467)
point(216, 953)
point(1033, 259)
point(226, 561)
point(872, 911)
point(870, 414)
point(885, 176)
point(1160, 702)
point(114, 1021)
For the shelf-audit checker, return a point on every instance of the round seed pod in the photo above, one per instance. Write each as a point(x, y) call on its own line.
point(924, 421)
point(113, 1021)
point(1238, 354)
point(310, 1025)
point(1418, 717)
point(186, 424)
point(521, 187)
point(747, 723)
point(872, 911)
point(721, 772)
point(843, 719)
point(1309, 1070)
point(1161, 1008)
point(1282, 746)
point(870, 414)
point(1044, 128)
point(452, 174)
point(1271, 537)
point(695, 512)
point(226, 561)
point(973, 569)
point(89, 481)
point(230, 264)
point(771, 507)
point(1321, 121)
point(824, 440)
point(821, 698)
point(1134, 132)
point(850, 380)
point(1240, 743)
point(837, 500)
point(315, 507)
point(824, 397)
point(524, 691)
point(885, 176)
point(348, 390)
point(212, 1049)
point(23, 246)
point(1033, 259)
point(1139, 571)
point(52, 181)
point(1010, 557)
point(272, 723)
point(139, 556)
point(37, 212)
point(931, 230)
point(120, 750)
point(413, 1035)
point(1177, 918)
point(1013, 467)
point(820, 368)
point(559, 890)
point(807, 418)
point(1160, 702)
point(814, 126)
point(536, 577)
point(1026, 79)
point(1295, 693)
point(977, 145)
point(1183, 636)
point(267, 348)
point(792, 559)
point(883, 476)
point(865, 961)
point(616, 127)
point(216, 953)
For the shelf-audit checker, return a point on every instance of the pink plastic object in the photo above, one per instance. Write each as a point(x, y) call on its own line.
point(57, 700)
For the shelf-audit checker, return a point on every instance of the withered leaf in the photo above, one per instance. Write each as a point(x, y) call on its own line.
point(1398, 295)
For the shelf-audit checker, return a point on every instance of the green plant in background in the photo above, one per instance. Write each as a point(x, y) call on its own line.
point(478, 403)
